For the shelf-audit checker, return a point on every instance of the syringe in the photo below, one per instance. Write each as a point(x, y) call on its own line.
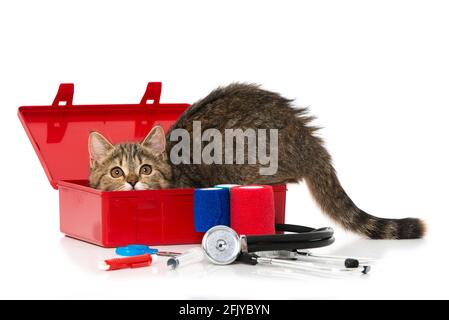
point(190, 256)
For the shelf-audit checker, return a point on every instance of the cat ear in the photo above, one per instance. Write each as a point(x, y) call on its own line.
point(155, 141)
point(99, 147)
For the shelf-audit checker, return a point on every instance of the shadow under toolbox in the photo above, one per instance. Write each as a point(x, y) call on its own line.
point(59, 135)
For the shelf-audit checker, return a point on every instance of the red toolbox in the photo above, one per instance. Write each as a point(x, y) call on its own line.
point(59, 135)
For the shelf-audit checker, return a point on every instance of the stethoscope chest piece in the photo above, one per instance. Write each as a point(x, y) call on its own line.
point(221, 245)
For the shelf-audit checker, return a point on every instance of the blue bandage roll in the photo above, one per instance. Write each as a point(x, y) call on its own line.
point(210, 208)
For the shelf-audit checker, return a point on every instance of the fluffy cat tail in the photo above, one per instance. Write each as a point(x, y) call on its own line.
point(333, 200)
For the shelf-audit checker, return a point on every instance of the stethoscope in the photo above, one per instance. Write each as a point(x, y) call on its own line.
point(223, 246)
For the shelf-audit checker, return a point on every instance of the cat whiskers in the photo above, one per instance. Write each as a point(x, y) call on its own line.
point(125, 187)
point(141, 186)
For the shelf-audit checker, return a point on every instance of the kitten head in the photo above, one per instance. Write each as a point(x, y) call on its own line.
point(129, 166)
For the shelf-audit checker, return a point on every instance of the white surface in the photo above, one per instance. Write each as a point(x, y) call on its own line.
point(375, 74)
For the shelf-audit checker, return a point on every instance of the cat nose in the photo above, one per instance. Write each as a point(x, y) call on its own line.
point(132, 180)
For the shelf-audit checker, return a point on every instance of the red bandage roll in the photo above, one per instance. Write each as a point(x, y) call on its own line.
point(252, 210)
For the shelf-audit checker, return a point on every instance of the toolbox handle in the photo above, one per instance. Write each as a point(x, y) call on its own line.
point(153, 92)
point(64, 97)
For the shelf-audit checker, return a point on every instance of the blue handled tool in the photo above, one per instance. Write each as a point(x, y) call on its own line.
point(138, 249)
point(135, 250)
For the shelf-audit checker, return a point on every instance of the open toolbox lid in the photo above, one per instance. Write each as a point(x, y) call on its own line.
point(59, 133)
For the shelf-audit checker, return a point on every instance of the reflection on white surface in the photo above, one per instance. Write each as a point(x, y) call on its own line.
point(86, 256)
point(376, 249)
point(67, 268)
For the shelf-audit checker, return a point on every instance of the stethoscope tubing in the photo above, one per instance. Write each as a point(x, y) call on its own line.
point(301, 238)
point(269, 246)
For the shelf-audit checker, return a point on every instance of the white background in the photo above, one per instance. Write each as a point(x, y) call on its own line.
point(375, 73)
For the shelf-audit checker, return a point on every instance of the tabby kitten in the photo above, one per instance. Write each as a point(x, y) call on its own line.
point(301, 155)
point(129, 166)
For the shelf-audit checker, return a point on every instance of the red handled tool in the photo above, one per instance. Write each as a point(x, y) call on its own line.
point(143, 260)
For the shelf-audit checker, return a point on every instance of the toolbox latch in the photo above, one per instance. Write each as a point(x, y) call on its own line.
point(153, 93)
point(64, 97)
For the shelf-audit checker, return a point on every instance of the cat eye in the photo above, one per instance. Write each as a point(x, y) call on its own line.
point(145, 169)
point(116, 172)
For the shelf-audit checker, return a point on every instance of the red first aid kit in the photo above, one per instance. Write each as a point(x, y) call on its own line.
point(59, 135)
